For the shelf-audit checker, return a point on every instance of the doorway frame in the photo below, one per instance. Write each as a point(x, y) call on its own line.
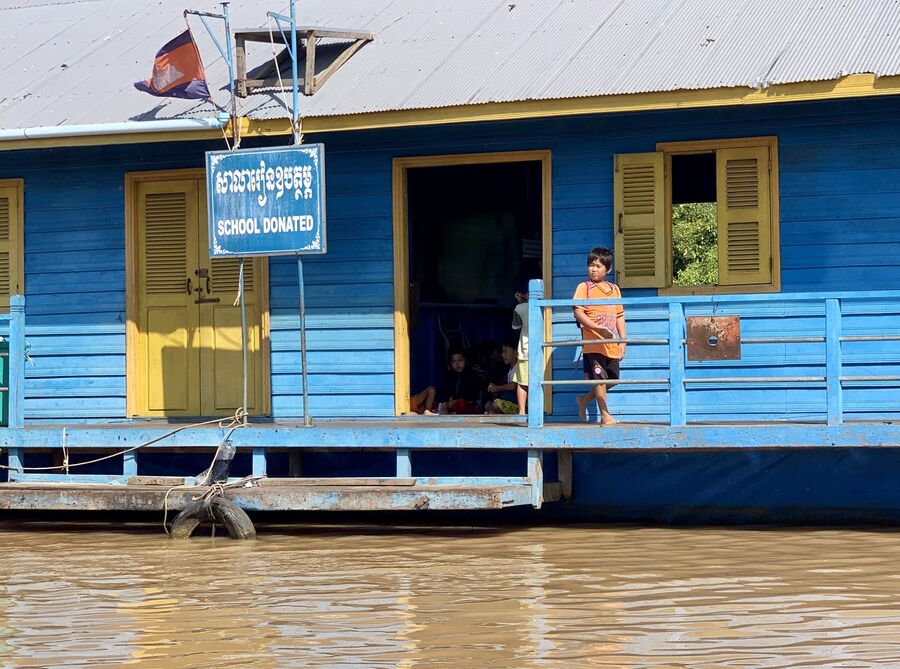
point(133, 398)
point(400, 207)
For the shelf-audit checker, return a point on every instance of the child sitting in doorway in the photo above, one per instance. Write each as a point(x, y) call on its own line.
point(502, 397)
point(462, 394)
point(423, 402)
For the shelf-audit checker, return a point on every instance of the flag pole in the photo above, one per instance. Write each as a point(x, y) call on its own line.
point(226, 53)
point(295, 95)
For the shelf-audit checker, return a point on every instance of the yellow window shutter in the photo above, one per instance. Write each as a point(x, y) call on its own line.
point(744, 216)
point(639, 221)
point(11, 265)
point(165, 251)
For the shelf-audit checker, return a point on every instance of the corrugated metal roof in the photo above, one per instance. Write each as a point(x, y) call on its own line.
point(72, 62)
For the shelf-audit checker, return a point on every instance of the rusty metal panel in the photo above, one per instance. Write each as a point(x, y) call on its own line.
point(713, 338)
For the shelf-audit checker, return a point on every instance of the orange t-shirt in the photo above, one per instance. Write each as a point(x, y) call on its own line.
point(604, 315)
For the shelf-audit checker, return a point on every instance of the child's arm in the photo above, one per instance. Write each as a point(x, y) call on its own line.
point(586, 322)
point(620, 328)
point(494, 388)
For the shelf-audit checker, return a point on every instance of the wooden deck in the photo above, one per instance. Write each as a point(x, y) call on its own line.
point(52, 489)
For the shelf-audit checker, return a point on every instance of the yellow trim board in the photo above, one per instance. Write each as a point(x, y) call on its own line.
point(851, 86)
point(399, 172)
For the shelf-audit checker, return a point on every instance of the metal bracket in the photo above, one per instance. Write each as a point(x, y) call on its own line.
point(267, 77)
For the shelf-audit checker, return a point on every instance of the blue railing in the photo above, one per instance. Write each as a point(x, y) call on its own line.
point(16, 360)
point(830, 306)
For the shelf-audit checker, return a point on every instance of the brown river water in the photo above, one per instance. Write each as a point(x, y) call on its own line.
point(364, 596)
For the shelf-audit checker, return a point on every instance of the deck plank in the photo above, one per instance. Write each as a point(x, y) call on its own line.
point(271, 497)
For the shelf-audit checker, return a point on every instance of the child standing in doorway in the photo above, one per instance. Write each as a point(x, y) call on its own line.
point(520, 323)
point(601, 360)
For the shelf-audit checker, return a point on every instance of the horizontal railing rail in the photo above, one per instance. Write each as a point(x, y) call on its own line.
point(677, 379)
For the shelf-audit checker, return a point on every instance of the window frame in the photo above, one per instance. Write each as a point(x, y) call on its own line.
point(17, 228)
point(669, 149)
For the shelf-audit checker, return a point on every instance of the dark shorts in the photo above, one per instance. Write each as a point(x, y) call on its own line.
point(598, 366)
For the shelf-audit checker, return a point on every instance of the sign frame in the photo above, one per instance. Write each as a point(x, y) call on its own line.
point(259, 182)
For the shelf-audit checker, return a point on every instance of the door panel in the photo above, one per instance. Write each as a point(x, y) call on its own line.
point(169, 349)
point(168, 319)
point(220, 335)
point(223, 362)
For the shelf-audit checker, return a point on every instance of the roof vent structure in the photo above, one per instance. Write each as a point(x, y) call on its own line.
point(340, 46)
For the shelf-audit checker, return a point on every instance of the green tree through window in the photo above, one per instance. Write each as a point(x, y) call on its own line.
point(695, 257)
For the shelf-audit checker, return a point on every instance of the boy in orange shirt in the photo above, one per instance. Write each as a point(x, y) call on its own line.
point(601, 361)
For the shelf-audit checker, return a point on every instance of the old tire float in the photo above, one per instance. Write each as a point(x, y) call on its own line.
point(215, 509)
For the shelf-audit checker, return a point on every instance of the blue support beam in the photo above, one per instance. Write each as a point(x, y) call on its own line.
point(404, 463)
point(259, 467)
point(129, 464)
point(536, 476)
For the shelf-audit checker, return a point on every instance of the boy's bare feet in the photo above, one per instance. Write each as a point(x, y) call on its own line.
point(428, 413)
point(607, 419)
point(582, 408)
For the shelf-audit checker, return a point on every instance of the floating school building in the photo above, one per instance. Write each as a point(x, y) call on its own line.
point(743, 160)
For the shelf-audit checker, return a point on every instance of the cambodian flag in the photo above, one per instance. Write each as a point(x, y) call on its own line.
point(177, 71)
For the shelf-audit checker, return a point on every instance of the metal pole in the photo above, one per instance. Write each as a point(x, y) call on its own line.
point(306, 419)
point(295, 95)
point(243, 338)
point(230, 60)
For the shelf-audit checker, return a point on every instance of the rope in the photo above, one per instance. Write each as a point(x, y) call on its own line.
point(237, 420)
point(65, 452)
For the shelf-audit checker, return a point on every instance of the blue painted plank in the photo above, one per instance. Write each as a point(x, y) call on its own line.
point(514, 437)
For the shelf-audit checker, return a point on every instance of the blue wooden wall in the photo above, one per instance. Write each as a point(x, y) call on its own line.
point(840, 230)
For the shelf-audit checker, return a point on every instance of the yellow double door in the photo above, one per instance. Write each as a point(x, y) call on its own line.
point(184, 327)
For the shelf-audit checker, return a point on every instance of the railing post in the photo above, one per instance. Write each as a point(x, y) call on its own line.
point(535, 354)
point(677, 394)
point(833, 391)
point(404, 463)
point(16, 361)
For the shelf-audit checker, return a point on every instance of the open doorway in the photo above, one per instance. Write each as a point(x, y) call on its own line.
point(472, 230)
